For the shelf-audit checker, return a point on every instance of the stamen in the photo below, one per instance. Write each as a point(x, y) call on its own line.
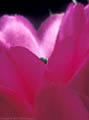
point(44, 60)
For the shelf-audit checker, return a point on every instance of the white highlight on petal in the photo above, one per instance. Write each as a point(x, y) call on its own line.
point(74, 1)
point(17, 34)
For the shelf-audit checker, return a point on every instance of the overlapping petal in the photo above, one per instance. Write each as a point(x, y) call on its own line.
point(30, 68)
point(21, 71)
point(63, 40)
point(80, 80)
point(18, 31)
point(66, 56)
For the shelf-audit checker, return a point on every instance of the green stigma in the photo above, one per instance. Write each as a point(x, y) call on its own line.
point(44, 60)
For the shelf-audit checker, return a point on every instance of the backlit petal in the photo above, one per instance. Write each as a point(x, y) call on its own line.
point(18, 31)
point(48, 33)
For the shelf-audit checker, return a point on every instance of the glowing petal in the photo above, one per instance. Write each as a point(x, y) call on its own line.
point(48, 33)
point(19, 31)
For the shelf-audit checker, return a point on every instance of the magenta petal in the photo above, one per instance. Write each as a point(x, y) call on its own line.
point(85, 100)
point(21, 71)
point(19, 31)
point(87, 12)
point(59, 103)
point(71, 25)
point(12, 105)
point(8, 75)
point(48, 33)
point(60, 63)
point(30, 69)
point(80, 80)
point(66, 56)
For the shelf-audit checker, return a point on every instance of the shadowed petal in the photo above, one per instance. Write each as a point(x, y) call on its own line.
point(80, 80)
point(12, 105)
point(59, 103)
point(85, 100)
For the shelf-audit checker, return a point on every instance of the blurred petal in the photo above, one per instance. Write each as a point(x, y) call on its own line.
point(59, 103)
point(12, 105)
point(48, 33)
point(66, 56)
point(19, 31)
point(85, 99)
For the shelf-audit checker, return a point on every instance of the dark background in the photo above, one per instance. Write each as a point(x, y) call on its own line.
point(35, 10)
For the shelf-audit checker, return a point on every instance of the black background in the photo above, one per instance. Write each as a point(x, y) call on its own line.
point(34, 8)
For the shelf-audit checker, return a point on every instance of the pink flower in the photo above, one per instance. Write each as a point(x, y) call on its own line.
point(52, 91)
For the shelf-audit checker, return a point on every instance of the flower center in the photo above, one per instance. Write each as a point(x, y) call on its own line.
point(44, 60)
